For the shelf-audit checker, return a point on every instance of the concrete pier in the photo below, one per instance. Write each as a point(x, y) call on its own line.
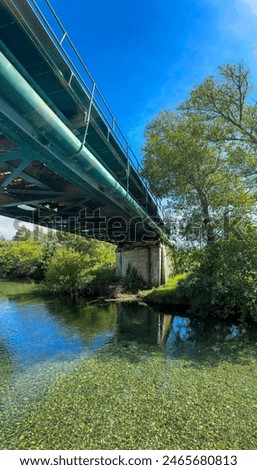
point(149, 259)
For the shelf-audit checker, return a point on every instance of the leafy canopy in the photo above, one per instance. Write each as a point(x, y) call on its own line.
point(203, 158)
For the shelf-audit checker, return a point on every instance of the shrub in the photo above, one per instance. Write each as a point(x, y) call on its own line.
point(21, 259)
point(67, 271)
point(225, 283)
point(79, 272)
point(103, 279)
point(132, 282)
point(185, 260)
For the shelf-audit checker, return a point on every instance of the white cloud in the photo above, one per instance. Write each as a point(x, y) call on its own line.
point(8, 226)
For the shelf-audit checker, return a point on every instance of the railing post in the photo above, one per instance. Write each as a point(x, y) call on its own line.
point(89, 113)
point(112, 126)
point(70, 79)
point(128, 174)
point(62, 38)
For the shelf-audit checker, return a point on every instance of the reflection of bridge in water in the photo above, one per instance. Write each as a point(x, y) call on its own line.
point(142, 325)
point(64, 161)
point(60, 331)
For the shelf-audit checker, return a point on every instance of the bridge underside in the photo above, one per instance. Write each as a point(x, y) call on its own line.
point(62, 163)
point(35, 188)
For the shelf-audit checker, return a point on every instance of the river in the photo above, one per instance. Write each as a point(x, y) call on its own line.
point(121, 376)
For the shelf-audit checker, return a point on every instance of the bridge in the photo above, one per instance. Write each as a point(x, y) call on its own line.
point(64, 161)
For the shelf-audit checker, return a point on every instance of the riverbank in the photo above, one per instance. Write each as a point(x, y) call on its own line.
point(162, 296)
point(166, 295)
point(170, 298)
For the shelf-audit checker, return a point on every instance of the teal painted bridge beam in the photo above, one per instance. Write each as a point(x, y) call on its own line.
point(57, 136)
point(19, 95)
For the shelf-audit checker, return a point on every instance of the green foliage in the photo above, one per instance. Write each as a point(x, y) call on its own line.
point(185, 260)
point(21, 259)
point(228, 99)
point(204, 157)
point(132, 282)
point(67, 271)
point(22, 234)
point(104, 277)
point(3, 250)
point(225, 283)
point(222, 281)
point(167, 295)
point(67, 263)
point(88, 270)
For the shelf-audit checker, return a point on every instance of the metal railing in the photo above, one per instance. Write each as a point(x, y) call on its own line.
point(80, 72)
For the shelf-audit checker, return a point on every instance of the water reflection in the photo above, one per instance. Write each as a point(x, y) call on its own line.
point(139, 323)
point(53, 331)
point(35, 330)
point(207, 341)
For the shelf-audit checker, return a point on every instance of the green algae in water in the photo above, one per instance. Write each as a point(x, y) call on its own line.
point(111, 402)
point(182, 385)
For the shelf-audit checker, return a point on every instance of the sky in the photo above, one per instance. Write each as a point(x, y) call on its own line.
point(146, 55)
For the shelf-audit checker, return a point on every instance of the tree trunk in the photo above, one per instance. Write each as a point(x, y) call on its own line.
point(207, 219)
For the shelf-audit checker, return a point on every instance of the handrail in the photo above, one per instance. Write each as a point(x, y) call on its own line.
point(91, 90)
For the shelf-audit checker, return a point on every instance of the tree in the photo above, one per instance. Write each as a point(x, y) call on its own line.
point(228, 101)
point(74, 272)
point(185, 160)
point(224, 284)
point(204, 158)
point(21, 259)
point(38, 234)
point(22, 234)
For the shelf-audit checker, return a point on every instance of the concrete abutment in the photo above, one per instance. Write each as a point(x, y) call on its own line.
point(151, 260)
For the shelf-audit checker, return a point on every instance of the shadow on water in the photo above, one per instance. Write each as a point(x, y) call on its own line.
point(137, 323)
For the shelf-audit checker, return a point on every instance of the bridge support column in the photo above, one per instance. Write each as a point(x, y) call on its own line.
point(149, 259)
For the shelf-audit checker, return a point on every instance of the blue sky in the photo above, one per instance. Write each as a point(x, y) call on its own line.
point(146, 55)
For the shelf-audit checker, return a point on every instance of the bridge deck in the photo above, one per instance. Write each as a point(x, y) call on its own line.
point(39, 180)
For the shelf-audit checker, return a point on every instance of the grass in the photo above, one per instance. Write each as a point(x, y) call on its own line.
point(167, 294)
